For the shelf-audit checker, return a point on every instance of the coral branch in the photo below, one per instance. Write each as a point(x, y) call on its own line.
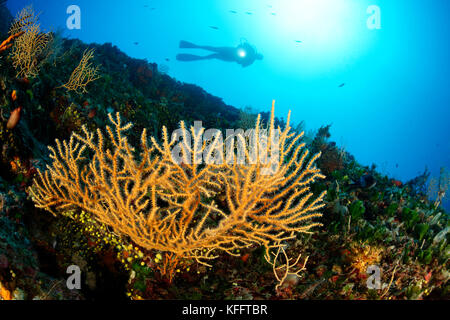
point(286, 268)
point(83, 74)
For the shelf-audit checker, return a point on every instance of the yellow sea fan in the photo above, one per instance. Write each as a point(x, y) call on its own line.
point(172, 207)
point(31, 48)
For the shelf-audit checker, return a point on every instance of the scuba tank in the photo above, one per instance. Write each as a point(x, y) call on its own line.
point(245, 50)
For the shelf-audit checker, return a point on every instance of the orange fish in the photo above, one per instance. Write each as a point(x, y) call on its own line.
point(428, 276)
point(244, 258)
point(397, 183)
point(14, 95)
point(14, 118)
point(92, 113)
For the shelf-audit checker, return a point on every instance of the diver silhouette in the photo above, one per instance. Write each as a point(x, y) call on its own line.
point(244, 53)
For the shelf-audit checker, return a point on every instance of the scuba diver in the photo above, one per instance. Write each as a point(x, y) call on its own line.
point(244, 53)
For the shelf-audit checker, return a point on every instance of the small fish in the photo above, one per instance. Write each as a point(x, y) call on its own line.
point(428, 276)
point(232, 11)
point(136, 43)
point(14, 118)
point(14, 95)
point(397, 183)
point(298, 41)
point(396, 165)
point(273, 13)
point(245, 257)
point(214, 27)
point(92, 113)
point(341, 85)
point(167, 59)
point(249, 13)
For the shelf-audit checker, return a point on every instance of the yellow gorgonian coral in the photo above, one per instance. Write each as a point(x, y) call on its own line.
point(83, 74)
point(188, 209)
point(32, 46)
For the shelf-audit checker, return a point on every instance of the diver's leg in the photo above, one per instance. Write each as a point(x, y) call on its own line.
point(223, 51)
point(193, 57)
point(214, 49)
point(187, 57)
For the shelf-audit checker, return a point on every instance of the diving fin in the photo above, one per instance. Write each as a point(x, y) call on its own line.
point(186, 44)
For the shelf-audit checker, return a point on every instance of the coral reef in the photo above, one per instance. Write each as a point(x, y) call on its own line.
point(437, 187)
point(169, 206)
point(368, 218)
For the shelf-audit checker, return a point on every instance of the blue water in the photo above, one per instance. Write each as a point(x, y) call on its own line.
point(393, 110)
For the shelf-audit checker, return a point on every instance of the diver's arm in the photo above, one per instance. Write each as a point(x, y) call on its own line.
point(246, 63)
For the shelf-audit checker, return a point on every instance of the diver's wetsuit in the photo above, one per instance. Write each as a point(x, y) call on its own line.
point(244, 54)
